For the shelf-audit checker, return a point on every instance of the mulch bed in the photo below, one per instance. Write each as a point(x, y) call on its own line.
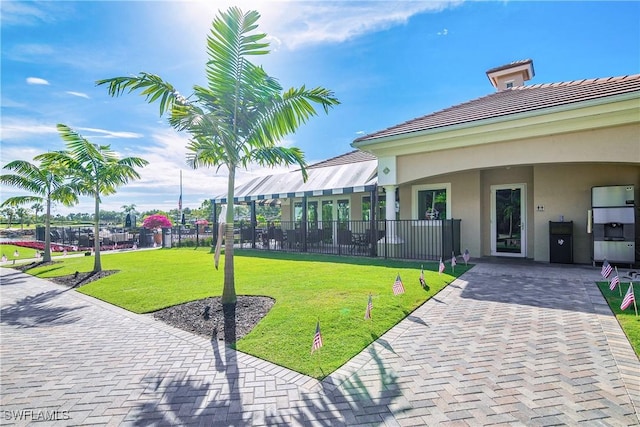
point(203, 317)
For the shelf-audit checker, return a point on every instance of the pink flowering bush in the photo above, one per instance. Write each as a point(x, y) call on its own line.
point(156, 221)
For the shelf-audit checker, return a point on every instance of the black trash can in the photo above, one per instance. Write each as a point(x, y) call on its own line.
point(561, 242)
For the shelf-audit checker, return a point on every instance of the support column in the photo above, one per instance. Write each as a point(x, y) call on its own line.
point(390, 213)
point(391, 245)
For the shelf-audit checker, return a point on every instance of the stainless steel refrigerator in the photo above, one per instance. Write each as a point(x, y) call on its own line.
point(613, 223)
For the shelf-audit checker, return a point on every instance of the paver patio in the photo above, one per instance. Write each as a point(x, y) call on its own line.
point(506, 343)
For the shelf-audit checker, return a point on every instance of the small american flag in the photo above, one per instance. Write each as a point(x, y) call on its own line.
point(628, 298)
point(441, 267)
point(367, 313)
point(317, 339)
point(466, 256)
point(398, 287)
point(454, 261)
point(606, 269)
point(615, 281)
point(423, 282)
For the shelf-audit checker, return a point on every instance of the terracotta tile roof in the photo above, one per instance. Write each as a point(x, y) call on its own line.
point(513, 101)
point(354, 156)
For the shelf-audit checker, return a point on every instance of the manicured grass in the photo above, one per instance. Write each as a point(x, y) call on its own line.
point(628, 320)
point(307, 288)
point(23, 253)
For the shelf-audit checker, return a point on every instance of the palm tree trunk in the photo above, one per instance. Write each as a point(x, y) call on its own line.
point(97, 265)
point(47, 233)
point(229, 289)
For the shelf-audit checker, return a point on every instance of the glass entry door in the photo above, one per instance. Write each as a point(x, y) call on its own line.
point(508, 220)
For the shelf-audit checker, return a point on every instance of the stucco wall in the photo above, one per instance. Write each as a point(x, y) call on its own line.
point(566, 190)
point(465, 193)
point(582, 147)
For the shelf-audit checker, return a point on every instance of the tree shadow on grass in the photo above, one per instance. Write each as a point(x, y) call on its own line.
point(38, 311)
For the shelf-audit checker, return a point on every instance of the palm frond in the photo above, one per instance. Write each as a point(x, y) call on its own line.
point(21, 200)
point(276, 155)
point(150, 86)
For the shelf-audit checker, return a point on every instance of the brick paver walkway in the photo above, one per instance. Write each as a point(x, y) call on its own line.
point(502, 345)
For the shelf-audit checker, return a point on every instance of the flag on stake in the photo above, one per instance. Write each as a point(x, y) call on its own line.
point(615, 281)
point(367, 313)
point(423, 282)
point(398, 287)
point(606, 269)
point(466, 256)
point(441, 267)
point(454, 261)
point(317, 339)
point(628, 298)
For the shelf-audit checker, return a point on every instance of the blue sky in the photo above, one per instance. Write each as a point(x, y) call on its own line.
point(386, 61)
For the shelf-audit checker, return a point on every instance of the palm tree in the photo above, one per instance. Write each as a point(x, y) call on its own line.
point(96, 171)
point(239, 116)
point(37, 207)
point(22, 214)
point(47, 182)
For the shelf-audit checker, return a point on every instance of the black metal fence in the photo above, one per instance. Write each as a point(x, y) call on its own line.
point(403, 239)
point(83, 238)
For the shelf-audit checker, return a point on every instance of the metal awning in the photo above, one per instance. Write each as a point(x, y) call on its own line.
point(339, 179)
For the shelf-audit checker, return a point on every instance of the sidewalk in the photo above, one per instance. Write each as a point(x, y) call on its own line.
point(504, 344)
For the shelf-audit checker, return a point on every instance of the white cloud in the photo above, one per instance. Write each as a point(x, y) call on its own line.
point(29, 13)
point(296, 24)
point(444, 32)
point(103, 133)
point(19, 128)
point(78, 94)
point(36, 81)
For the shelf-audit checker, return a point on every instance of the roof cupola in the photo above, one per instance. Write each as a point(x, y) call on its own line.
point(511, 75)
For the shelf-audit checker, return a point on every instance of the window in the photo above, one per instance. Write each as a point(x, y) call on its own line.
point(509, 84)
point(297, 211)
point(343, 213)
point(432, 201)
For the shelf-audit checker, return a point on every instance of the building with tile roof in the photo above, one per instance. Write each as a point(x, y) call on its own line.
point(512, 163)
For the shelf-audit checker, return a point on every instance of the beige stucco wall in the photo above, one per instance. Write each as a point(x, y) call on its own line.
point(465, 190)
point(560, 190)
point(558, 170)
point(566, 190)
point(587, 146)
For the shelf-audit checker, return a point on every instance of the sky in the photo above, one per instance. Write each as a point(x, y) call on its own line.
point(386, 61)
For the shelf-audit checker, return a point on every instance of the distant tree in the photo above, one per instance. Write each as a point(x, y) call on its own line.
point(96, 171)
point(8, 213)
point(238, 117)
point(37, 207)
point(47, 182)
point(22, 214)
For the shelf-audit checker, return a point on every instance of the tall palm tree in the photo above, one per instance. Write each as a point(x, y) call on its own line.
point(96, 171)
point(239, 117)
point(47, 182)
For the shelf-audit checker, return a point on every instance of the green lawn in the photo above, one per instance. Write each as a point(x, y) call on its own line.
point(306, 288)
point(628, 320)
point(23, 253)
